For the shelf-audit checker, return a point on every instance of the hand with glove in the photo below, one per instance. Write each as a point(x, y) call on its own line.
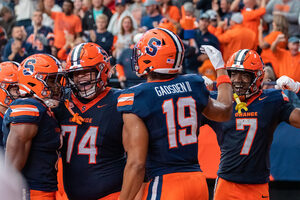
point(286, 83)
point(214, 55)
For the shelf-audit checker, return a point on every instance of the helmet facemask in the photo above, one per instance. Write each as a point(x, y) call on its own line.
point(87, 82)
point(136, 54)
point(53, 85)
point(11, 90)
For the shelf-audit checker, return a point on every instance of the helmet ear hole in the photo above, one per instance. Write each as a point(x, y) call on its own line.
point(31, 84)
point(147, 61)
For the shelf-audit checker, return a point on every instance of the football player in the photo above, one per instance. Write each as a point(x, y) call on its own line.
point(31, 133)
point(245, 140)
point(93, 154)
point(9, 89)
point(161, 120)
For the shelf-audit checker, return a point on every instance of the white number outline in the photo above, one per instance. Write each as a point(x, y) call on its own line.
point(90, 136)
point(182, 120)
point(240, 126)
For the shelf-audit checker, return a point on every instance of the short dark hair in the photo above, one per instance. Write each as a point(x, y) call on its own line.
point(159, 76)
point(71, 2)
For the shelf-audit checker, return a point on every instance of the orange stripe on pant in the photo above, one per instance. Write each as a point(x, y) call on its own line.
point(177, 186)
point(41, 195)
point(226, 190)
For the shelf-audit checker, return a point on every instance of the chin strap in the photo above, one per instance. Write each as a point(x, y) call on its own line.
point(239, 105)
point(76, 117)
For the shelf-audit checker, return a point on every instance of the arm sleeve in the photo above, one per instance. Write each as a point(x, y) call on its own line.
point(25, 111)
point(292, 16)
point(62, 54)
point(53, 15)
point(225, 37)
point(285, 109)
point(268, 17)
point(78, 27)
point(254, 14)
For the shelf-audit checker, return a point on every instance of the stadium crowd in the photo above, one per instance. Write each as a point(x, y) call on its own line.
point(56, 62)
point(271, 27)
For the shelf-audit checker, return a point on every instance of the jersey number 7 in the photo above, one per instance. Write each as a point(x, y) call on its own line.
point(183, 121)
point(240, 126)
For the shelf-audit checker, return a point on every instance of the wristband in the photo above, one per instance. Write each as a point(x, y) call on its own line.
point(223, 79)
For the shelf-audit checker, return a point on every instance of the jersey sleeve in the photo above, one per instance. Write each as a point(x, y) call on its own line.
point(25, 111)
point(201, 91)
point(285, 108)
point(133, 101)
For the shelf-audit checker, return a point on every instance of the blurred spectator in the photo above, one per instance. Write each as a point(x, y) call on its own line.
point(188, 21)
point(288, 60)
point(280, 26)
point(137, 5)
point(225, 10)
point(203, 5)
point(40, 37)
point(153, 17)
point(269, 78)
point(170, 11)
point(101, 36)
point(8, 20)
point(166, 24)
point(71, 42)
point(89, 19)
point(110, 4)
point(86, 5)
point(16, 49)
point(49, 5)
point(289, 9)
point(252, 16)
point(65, 23)
point(137, 10)
point(3, 40)
point(79, 9)
point(126, 75)
point(213, 21)
point(236, 37)
point(204, 37)
point(125, 37)
point(23, 12)
point(116, 19)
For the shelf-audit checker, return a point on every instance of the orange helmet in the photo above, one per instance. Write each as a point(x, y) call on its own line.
point(247, 61)
point(88, 57)
point(41, 75)
point(159, 50)
point(8, 79)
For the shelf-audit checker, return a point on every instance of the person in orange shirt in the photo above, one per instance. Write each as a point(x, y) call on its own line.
point(213, 22)
point(169, 11)
point(280, 26)
point(288, 60)
point(65, 23)
point(236, 37)
point(252, 16)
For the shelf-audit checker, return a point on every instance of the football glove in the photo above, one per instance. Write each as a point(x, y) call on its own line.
point(286, 83)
